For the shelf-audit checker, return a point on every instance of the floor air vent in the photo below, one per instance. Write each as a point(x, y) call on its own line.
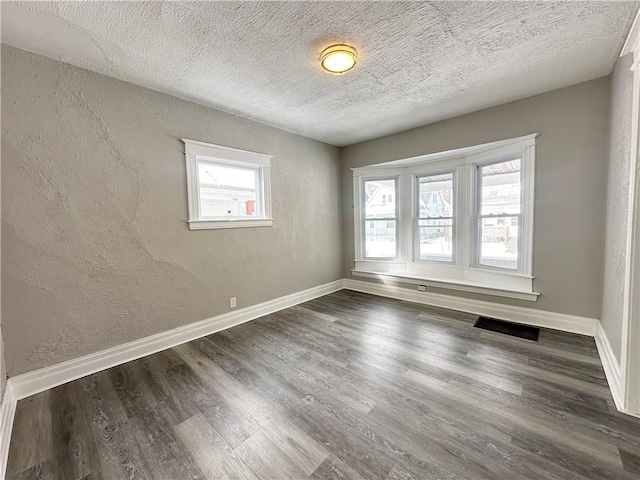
point(508, 328)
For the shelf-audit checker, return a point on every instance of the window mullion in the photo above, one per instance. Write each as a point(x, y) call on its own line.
point(525, 223)
point(358, 215)
point(463, 221)
point(405, 217)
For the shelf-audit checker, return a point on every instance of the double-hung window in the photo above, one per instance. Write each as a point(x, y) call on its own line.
point(434, 221)
point(227, 188)
point(498, 214)
point(380, 218)
point(461, 219)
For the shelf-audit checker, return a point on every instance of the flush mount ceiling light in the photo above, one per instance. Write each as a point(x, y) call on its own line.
point(338, 59)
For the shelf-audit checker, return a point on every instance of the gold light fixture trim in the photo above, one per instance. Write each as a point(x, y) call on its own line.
point(338, 59)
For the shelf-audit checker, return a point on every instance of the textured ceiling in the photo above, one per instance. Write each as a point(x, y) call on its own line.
point(419, 61)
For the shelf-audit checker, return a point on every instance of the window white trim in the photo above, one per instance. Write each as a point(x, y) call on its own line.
point(228, 154)
point(234, 223)
point(464, 272)
point(196, 151)
point(481, 153)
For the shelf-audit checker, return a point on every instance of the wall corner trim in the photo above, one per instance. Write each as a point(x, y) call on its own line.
point(7, 413)
point(37, 381)
point(628, 389)
point(610, 364)
point(613, 372)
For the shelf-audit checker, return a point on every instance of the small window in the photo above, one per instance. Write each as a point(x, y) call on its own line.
point(227, 188)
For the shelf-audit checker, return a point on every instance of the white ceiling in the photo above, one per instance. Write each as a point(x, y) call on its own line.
point(420, 62)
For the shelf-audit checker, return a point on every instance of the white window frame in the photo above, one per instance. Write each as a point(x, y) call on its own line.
point(464, 272)
point(416, 221)
point(361, 247)
point(196, 152)
point(477, 217)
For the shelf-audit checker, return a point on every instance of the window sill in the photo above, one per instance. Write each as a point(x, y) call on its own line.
point(450, 284)
point(236, 223)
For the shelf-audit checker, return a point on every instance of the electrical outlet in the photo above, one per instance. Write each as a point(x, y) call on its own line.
point(422, 288)
point(232, 302)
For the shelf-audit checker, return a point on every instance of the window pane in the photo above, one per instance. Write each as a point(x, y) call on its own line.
point(500, 193)
point(436, 196)
point(436, 240)
point(379, 199)
point(227, 191)
point(499, 242)
point(380, 238)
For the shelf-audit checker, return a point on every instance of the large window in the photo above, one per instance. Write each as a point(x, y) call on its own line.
point(227, 188)
point(460, 219)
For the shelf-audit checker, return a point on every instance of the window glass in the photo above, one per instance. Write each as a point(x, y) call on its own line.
point(499, 242)
point(380, 240)
point(380, 218)
point(435, 222)
point(500, 208)
point(378, 204)
point(500, 188)
point(228, 191)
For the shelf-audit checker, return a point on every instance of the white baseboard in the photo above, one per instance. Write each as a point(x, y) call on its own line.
point(611, 366)
point(7, 412)
point(37, 381)
point(43, 379)
point(529, 316)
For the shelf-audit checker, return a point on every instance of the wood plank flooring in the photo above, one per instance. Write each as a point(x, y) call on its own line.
point(347, 386)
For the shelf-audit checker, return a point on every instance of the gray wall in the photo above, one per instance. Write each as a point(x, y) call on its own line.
point(617, 201)
point(96, 250)
point(571, 169)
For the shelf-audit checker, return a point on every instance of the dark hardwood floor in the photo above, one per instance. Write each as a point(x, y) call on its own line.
point(347, 386)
